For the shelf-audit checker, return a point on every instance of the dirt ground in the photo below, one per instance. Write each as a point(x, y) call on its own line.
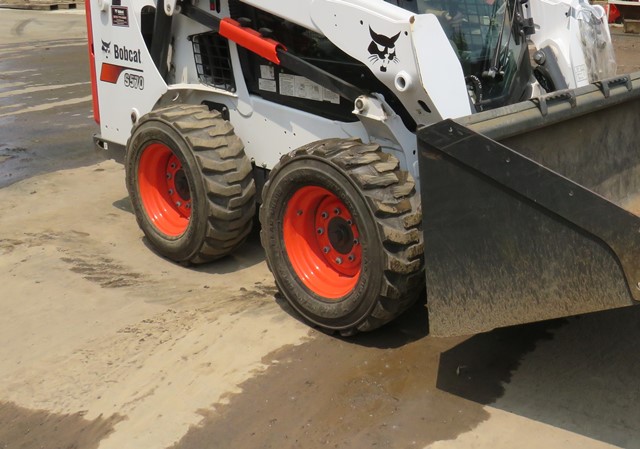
point(104, 344)
point(627, 47)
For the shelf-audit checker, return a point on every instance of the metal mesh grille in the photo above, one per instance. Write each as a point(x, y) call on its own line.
point(213, 62)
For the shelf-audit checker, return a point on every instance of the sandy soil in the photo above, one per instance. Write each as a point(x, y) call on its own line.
point(94, 322)
point(105, 344)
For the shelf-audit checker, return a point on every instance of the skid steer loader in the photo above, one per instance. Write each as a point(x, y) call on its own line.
point(483, 148)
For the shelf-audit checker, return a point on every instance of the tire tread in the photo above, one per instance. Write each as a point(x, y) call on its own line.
point(392, 198)
point(226, 172)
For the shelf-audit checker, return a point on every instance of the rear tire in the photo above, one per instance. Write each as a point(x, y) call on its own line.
point(341, 227)
point(190, 183)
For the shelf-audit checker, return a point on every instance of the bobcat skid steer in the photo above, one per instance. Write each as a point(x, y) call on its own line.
point(484, 146)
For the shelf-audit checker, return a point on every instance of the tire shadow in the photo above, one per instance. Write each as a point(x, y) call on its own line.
point(412, 325)
point(250, 253)
point(124, 204)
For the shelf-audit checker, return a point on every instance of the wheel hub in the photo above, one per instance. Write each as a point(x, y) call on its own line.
point(336, 235)
point(178, 186)
point(340, 235)
point(164, 189)
point(322, 241)
point(182, 185)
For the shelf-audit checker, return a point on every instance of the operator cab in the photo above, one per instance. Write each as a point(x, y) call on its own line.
point(489, 38)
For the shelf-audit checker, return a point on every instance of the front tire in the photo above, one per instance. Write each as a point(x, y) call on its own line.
point(190, 183)
point(341, 228)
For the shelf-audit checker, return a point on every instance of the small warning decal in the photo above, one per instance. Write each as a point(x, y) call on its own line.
point(267, 84)
point(120, 16)
point(581, 73)
point(301, 87)
point(267, 72)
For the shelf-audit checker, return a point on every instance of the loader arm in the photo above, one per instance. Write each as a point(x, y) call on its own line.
point(271, 50)
point(427, 95)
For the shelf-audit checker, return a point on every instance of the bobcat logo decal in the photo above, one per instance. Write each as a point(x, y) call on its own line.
point(106, 47)
point(382, 49)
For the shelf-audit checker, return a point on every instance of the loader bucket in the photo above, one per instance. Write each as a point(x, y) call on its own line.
point(530, 212)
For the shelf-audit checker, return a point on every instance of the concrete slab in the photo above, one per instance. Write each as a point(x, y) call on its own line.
point(631, 26)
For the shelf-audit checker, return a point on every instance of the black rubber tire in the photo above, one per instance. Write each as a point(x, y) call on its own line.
point(219, 175)
point(385, 206)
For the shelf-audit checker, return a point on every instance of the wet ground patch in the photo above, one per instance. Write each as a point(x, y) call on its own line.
point(375, 391)
point(575, 373)
point(21, 428)
point(45, 109)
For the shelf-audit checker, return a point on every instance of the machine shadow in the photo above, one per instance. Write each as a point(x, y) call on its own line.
point(578, 374)
point(480, 368)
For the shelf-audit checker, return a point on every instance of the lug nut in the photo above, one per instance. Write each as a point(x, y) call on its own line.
point(173, 165)
point(352, 257)
point(324, 215)
point(338, 260)
point(349, 222)
point(170, 191)
point(336, 211)
point(188, 205)
point(355, 241)
point(320, 231)
point(168, 175)
point(325, 249)
point(178, 203)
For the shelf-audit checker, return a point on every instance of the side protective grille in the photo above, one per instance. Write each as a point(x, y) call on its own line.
point(213, 62)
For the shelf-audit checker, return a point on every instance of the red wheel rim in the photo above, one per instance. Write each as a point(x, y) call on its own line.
point(322, 242)
point(164, 190)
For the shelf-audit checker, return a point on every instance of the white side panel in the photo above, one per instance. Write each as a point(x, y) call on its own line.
point(269, 130)
point(121, 48)
point(273, 130)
